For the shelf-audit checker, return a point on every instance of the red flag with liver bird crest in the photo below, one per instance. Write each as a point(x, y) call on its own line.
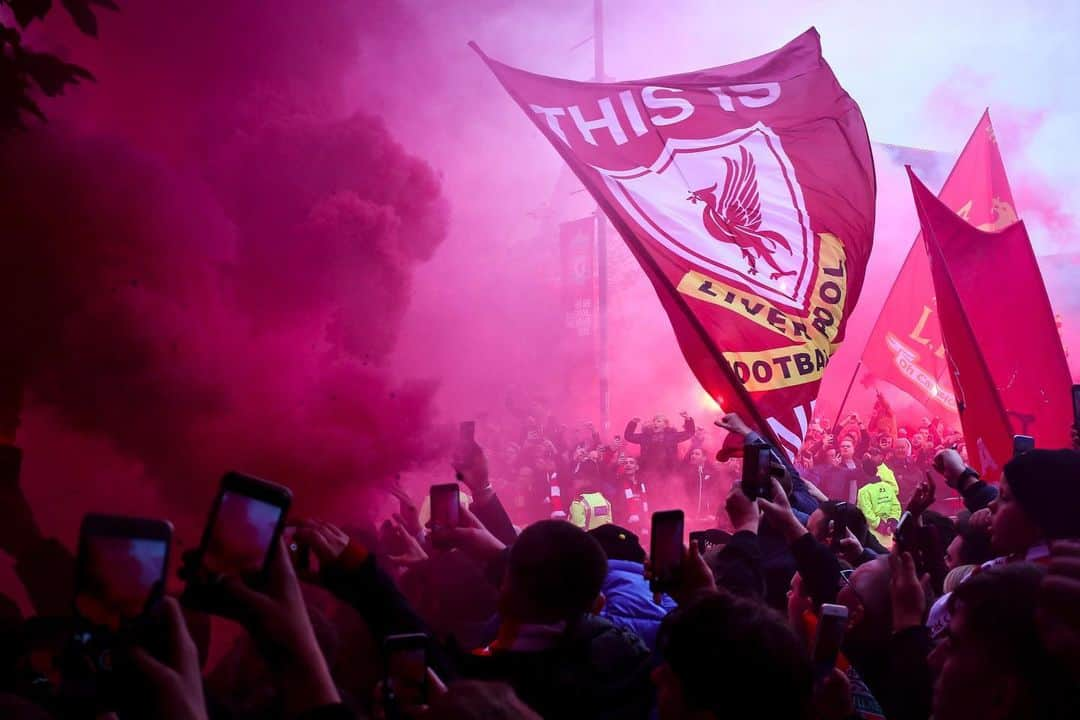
point(746, 193)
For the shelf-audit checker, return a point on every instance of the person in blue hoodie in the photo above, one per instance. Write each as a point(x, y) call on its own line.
point(628, 599)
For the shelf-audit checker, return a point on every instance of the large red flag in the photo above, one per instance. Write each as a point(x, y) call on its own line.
point(1002, 344)
point(905, 346)
point(746, 193)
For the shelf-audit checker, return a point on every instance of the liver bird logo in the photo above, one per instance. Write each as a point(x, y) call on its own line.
point(735, 216)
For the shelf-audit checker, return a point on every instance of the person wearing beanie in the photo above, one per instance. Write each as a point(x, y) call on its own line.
point(628, 601)
point(1037, 501)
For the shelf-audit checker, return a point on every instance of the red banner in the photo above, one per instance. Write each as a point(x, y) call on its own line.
point(746, 193)
point(1002, 344)
point(905, 347)
point(577, 253)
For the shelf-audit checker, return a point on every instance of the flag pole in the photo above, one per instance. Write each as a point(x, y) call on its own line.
point(601, 240)
point(840, 410)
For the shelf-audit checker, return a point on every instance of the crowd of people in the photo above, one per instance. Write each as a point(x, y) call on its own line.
point(538, 603)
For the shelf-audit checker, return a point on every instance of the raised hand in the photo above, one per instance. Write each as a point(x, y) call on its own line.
point(176, 680)
point(733, 423)
point(778, 512)
point(908, 595)
point(743, 512)
point(412, 554)
point(408, 515)
point(951, 466)
point(325, 540)
point(696, 576)
point(923, 496)
point(276, 617)
point(470, 536)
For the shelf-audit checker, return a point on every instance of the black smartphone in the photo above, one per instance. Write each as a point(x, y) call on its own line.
point(245, 522)
point(756, 471)
point(445, 506)
point(1076, 405)
point(832, 624)
point(120, 570)
point(666, 550)
point(405, 663)
point(904, 534)
point(1022, 444)
point(838, 525)
point(120, 576)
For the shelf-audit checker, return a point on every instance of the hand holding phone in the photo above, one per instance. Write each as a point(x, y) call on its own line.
point(832, 624)
point(405, 662)
point(241, 534)
point(666, 552)
point(756, 471)
point(904, 535)
point(119, 582)
point(1022, 444)
point(445, 502)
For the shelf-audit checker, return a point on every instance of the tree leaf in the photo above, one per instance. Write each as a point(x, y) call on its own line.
point(82, 15)
point(26, 11)
point(50, 73)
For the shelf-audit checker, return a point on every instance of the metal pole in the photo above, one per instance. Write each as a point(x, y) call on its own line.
point(601, 239)
point(846, 394)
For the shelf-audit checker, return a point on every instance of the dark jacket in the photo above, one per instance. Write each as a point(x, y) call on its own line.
point(493, 516)
point(737, 566)
point(598, 672)
point(659, 450)
point(629, 602)
point(978, 495)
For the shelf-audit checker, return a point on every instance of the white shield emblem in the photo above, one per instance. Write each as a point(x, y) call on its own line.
point(731, 206)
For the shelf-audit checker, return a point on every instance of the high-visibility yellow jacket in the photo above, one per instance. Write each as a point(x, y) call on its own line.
point(590, 510)
point(880, 501)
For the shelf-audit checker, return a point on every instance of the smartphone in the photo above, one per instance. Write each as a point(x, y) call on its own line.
point(666, 550)
point(905, 530)
point(467, 433)
point(1022, 444)
point(245, 522)
point(405, 662)
point(756, 478)
point(120, 575)
point(832, 624)
point(838, 525)
point(445, 506)
point(120, 570)
point(1076, 405)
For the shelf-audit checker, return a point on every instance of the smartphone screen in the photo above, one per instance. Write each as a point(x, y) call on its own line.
point(241, 534)
point(445, 506)
point(1076, 405)
point(829, 637)
point(666, 554)
point(1022, 444)
point(121, 571)
point(755, 473)
point(468, 432)
point(406, 669)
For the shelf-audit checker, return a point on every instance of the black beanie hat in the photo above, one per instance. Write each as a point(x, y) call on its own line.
point(1046, 483)
point(619, 543)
